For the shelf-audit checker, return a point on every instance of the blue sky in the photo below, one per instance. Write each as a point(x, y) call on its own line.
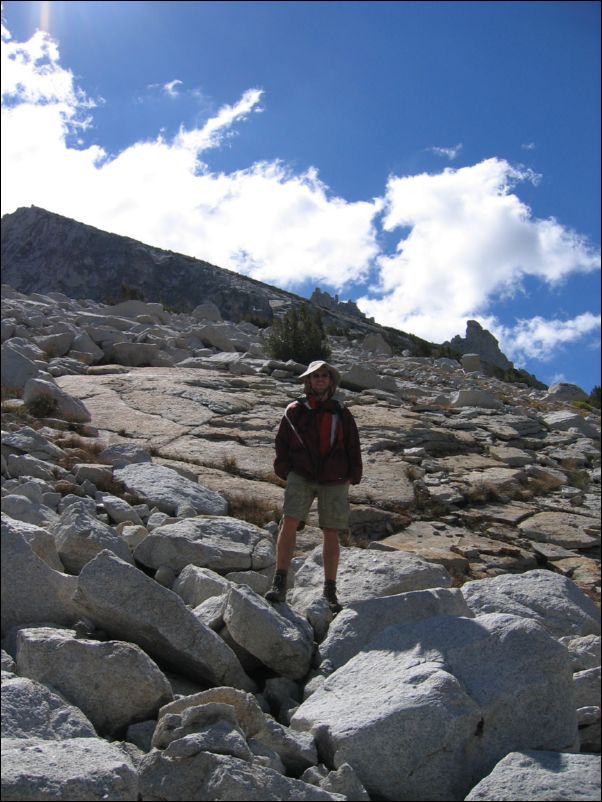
point(435, 162)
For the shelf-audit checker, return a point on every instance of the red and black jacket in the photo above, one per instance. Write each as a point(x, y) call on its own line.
point(320, 442)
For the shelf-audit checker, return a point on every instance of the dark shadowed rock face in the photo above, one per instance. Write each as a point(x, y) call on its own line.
point(45, 252)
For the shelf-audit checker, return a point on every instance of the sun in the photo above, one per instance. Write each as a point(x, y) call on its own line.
point(45, 7)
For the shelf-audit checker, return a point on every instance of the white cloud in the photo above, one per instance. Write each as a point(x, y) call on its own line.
point(538, 338)
point(465, 238)
point(449, 153)
point(172, 87)
point(212, 133)
point(278, 226)
point(471, 241)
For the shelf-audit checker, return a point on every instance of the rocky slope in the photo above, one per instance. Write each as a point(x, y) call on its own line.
point(138, 527)
point(45, 252)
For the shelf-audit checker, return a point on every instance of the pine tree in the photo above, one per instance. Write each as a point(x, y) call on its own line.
point(299, 335)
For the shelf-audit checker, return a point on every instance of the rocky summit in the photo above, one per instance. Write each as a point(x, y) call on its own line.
point(140, 510)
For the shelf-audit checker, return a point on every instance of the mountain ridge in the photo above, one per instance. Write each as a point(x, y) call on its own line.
point(43, 251)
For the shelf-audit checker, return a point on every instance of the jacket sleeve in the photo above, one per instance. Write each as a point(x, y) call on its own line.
point(283, 461)
point(354, 453)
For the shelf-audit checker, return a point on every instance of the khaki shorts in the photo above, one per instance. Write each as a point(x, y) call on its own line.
point(333, 501)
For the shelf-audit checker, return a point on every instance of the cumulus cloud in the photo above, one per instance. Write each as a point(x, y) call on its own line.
point(266, 221)
point(466, 241)
point(30, 75)
point(538, 338)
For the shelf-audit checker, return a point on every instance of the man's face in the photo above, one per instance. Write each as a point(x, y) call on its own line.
point(320, 380)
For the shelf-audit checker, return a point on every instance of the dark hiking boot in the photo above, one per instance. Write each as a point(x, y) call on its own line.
point(277, 593)
point(330, 594)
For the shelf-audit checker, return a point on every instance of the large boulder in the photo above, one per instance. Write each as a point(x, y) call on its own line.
point(31, 710)
point(166, 489)
point(55, 344)
point(473, 397)
point(219, 543)
point(131, 606)
point(121, 454)
point(360, 622)
point(170, 775)
point(540, 776)
point(84, 671)
point(366, 574)
point(361, 378)
point(440, 702)
point(17, 369)
point(80, 536)
point(40, 540)
point(221, 336)
point(281, 640)
point(132, 308)
point(564, 421)
point(32, 591)
point(76, 768)
point(65, 406)
point(119, 510)
point(24, 465)
point(23, 508)
point(565, 392)
point(84, 344)
point(565, 529)
point(28, 441)
point(265, 736)
point(135, 354)
point(207, 311)
point(195, 585)
point(375, 343)
point(554, 601)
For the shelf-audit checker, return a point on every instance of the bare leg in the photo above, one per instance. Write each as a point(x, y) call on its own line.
point(330, 553)
point(285, 547)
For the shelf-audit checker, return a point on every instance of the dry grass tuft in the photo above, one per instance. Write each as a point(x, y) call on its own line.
point(78, 449)
point(251, 509)
point(272, 479)
point(483, 493)
point(6, 392)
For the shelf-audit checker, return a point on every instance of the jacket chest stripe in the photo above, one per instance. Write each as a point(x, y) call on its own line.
point(333, 429)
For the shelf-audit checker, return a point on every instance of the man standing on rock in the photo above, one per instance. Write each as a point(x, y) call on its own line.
point(318, 453)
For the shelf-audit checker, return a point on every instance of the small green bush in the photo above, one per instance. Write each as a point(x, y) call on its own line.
point(299, 335)
point(585, 406)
